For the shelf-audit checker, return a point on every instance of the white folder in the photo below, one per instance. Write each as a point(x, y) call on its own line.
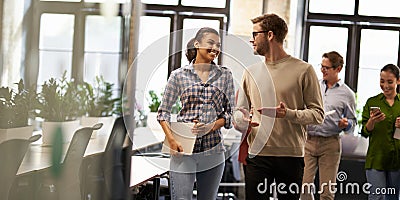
point(182, 133)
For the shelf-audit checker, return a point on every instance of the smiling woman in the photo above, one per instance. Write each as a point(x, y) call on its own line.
point(382, 163)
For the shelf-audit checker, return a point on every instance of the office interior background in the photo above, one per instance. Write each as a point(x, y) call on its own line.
point(87, 38)
point(40, 39)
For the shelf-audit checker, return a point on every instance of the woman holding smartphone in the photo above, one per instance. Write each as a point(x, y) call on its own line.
point(380, 118)
point(206, 92)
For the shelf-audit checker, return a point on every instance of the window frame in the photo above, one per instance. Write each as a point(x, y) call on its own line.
point(355, 24)
point(178, 13)
point(80, 10)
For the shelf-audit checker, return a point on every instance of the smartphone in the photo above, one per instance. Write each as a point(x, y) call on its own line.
point(375, 109)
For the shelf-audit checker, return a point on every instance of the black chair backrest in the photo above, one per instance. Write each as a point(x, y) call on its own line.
point(12, 153)
point(68, 184)
point(112, 160)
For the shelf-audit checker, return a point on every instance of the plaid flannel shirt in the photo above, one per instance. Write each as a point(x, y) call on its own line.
point(205, 102)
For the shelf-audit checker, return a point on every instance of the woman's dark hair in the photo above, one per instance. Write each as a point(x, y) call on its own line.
point(394, 70)
point(191, 50)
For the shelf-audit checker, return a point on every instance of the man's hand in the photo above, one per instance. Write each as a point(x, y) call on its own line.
point(343, 123)
point(242, 119)
point(274, 112)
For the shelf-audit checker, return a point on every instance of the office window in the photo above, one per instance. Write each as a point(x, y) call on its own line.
point(109, 1)
point(205, 3)
point(102, 48)
point(372, 39)
point(164, 33)
point(324, 39)
point(384, 8)
point(344, 7)
point(162, 2)
point(152, 65)
point(374, 54)
point(85, 44)
point(190, 28)
point(55, 45)
point(63, 0)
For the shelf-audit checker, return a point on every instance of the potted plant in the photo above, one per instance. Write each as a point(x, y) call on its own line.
point(61, 102)
point(16, 107)
point(100, 105)
point(155, 102)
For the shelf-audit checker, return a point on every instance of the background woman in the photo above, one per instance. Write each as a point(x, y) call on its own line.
point(380, 117)
point(206, 92)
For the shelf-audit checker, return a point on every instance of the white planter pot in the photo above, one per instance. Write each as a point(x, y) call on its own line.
point(152, 122)
point(108, 123)
point(68, 129)
point(16, 133)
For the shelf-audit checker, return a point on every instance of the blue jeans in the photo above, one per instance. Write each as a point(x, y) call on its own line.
point(383, 182)
point(206, 170)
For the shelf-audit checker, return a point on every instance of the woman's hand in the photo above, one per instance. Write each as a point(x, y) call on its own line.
point(397, 123)
point(374, 117)
point(175, 147)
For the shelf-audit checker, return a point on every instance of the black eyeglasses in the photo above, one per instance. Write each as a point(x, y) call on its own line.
point(325, 67)
point(257, 32)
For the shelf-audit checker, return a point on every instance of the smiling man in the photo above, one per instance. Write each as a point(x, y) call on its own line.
point(323, 149)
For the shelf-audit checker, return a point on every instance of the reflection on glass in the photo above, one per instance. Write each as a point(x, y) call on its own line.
point(374, 54)
point(205, 3)
point(324, 39)
point(163, 2)
point(55, 46)
point(384, 8)
point(344, 7)
point(190, 28)
point(152, 63)
point(102, 48)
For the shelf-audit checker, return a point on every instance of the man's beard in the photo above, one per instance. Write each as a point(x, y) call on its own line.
point(262, 50)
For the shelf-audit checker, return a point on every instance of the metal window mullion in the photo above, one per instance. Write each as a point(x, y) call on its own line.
point(78, 47)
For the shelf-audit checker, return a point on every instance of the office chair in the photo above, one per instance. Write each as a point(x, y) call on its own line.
point(67, 185)
point(105, 179)
point(12, 152)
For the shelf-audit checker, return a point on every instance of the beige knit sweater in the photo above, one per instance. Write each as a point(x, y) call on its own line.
point(293, 82)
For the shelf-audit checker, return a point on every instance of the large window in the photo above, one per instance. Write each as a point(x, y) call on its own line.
point(165, 29)
point(84, 39)
point(365, 32)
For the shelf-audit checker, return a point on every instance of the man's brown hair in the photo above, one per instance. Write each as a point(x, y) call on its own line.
point(272, 22)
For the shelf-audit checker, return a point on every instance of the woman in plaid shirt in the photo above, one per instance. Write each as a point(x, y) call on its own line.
point(206, 92)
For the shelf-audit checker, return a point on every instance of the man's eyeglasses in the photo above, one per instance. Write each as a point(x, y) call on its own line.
point(257, 32)
point(325, 67)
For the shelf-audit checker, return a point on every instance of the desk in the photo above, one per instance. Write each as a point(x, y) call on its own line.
point(145, 169)
point(38, 156)
point(144, 137)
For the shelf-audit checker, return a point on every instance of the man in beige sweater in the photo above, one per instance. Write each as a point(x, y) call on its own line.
point(285, 94)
